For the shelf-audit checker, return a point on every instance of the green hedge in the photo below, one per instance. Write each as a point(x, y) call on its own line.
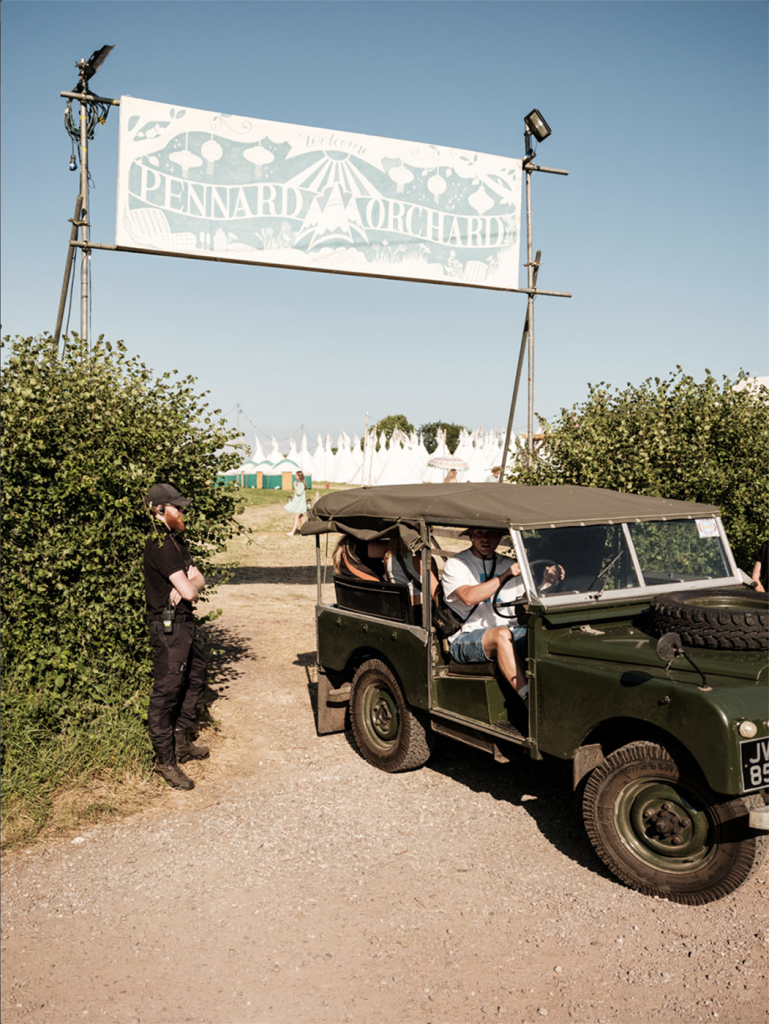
point(85, 435)
point(668, 438)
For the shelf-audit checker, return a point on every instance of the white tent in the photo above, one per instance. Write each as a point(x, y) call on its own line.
point(345, 464)
point(319, 461)
point(257, 455)
point(275, 454)
point(304, 458)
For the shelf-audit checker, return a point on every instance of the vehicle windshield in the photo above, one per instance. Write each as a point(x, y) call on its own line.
point(587, 558)
point(613, 557)
point(679, 551)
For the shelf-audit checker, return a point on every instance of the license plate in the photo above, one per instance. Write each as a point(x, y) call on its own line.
point(754, 757)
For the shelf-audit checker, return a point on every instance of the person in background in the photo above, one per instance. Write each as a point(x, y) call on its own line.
point(493, 477)
point(761, 569)
point(298, 504)
point(451, 477)
point(172, 584)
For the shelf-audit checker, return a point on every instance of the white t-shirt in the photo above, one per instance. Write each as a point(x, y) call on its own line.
point(466, 569)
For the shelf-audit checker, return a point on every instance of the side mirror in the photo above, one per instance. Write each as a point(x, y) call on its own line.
point(668, 646)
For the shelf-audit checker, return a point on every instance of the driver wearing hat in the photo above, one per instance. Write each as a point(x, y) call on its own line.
point(172, 584)
point(471, 580)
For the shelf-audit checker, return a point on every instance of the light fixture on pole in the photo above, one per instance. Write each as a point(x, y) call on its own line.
point(88, 68)
point(537, 126)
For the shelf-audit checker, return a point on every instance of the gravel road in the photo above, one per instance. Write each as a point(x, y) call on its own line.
point(298, 884)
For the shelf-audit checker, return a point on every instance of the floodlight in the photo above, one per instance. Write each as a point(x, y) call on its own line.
point(537, 126)
point(88, 68)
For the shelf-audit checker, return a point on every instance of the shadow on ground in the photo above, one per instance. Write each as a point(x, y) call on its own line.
point(542, 788)
point(303, 575)
point(225, 650)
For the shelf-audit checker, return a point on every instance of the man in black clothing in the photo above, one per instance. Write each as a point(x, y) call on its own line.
point(172, 584)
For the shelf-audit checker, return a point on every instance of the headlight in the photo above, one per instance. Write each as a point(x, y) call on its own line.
point(747, 729)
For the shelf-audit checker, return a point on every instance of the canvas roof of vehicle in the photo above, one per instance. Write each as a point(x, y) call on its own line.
point(514, 505)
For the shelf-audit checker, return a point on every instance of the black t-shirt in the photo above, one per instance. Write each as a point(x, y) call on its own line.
point(763, 558)
point(161, 560)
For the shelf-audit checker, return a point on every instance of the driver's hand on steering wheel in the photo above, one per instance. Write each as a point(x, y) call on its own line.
point(514, 570)
point(552, 574)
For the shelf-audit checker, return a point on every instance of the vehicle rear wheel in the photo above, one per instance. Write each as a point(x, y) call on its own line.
point(388, 733)
point(661, 830)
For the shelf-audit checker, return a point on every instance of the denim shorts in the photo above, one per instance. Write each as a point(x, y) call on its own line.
point(467, 648)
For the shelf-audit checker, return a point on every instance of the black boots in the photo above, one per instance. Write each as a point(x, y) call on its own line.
point(167, 761)
point(166, 766)
point(185, 748)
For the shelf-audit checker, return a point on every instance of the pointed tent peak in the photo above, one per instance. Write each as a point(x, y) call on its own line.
point(292, 447)
point(257, 455)
point(275, 452)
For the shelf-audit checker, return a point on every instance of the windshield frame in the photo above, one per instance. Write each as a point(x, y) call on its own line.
point(640, 592)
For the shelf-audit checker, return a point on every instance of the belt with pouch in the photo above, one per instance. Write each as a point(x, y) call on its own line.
point(176, 617)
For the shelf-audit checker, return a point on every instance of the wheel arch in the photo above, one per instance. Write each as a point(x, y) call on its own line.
point(613, 733)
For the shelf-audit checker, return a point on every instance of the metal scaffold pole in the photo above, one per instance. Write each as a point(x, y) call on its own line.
point(80, 222)
point(535, 125)
point(84, 254)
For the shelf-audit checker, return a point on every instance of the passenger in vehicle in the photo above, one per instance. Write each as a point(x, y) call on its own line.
point(360, 560)
point(404, 567)
point(471, 579)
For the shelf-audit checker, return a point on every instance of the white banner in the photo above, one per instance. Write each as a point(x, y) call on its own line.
point(218, 186)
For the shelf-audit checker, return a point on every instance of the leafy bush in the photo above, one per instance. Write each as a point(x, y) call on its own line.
point(390, 423)
point(85, 436)
point(429, 432)
point(669, 438)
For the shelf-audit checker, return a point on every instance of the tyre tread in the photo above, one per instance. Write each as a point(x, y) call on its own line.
point(750, 853)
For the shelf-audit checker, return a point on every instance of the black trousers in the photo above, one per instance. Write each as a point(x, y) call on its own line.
point(179, 681)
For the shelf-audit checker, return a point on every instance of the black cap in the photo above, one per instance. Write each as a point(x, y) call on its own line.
point(165, 494)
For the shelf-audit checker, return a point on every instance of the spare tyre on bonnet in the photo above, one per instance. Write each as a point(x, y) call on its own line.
point(644, 655)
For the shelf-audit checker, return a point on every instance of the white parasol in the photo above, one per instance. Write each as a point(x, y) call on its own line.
point(447, 462)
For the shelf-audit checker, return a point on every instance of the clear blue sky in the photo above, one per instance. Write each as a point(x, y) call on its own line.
point(658, 110)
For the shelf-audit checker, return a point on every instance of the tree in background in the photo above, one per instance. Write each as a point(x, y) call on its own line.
point(429, 432)
point(85, 436)
point(671, 438)
point(390, 423)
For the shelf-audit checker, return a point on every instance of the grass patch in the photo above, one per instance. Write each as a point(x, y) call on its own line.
point(54, 786)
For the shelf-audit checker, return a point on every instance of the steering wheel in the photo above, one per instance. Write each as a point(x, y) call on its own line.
point(506, 609)
point(554, 587)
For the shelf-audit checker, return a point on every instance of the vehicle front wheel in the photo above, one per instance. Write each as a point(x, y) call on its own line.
point(386, 730)
point(661, 830)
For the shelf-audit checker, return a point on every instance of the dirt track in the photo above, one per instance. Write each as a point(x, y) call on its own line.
point(297, 884)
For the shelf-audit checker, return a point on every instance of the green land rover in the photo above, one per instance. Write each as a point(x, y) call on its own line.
point(646, 664)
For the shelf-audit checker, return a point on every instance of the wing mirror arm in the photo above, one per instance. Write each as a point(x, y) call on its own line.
point(669, 647)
